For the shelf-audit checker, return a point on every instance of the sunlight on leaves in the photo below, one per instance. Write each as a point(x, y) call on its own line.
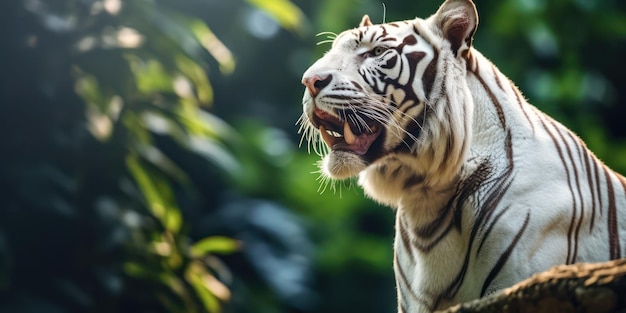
point(195, 275)
point(129, 38)
point(196, 74)
point(177, 286)
point(113, 7)
point(137, 270)
point(161, 161)
point(134, 124)
point(87, 87)
point(183, 87)
point(217, 288)
point(159, 123)
point(287, 14)
point(150, 75)
point(157, 192)
point(101, 111)
point(202, 123)
point(215, 245)
point(215, 152)
point(175, 28)
point(99, 124)
point(216, 48)
point(162, 248)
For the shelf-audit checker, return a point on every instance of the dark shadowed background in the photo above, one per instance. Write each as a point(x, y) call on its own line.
point(149, 154)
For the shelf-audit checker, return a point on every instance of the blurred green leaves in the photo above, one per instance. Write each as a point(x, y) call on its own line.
point(215, 245)
point(284, 12)
point(127, 87)
point(214, 46)
point(157, 193)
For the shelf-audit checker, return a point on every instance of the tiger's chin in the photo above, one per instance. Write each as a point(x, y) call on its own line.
point(340, 164)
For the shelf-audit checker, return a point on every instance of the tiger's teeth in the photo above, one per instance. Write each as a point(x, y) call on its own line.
point(348, 136)
point(328, 138)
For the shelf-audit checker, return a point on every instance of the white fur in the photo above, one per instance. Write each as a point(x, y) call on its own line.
point(546, 211)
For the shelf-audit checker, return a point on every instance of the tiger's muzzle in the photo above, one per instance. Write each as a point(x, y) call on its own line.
point(341, 129)
point(342, 134)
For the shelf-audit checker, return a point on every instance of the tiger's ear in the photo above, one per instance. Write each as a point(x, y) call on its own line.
point(365, 21)
point(458, 20)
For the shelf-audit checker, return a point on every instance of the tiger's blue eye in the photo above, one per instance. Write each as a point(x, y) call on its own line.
point(378, 51)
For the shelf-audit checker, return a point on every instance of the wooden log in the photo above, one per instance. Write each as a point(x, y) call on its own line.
point(580, 288)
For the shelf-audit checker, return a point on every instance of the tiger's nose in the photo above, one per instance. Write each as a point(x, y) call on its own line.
point(316, 83)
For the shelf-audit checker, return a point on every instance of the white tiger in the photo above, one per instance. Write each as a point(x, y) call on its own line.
point(487, 189)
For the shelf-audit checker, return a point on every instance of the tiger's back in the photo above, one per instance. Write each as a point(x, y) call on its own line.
point(487, 189)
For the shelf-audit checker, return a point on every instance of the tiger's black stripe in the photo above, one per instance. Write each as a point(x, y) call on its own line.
point(404, 236)
point(491, 226)
point(495, 194)
point(596, 171)
point(592, 190)
point(572, 227)
point(614, 245)
point(492, 97)
point(425, 248)
point(582, 200)
point(428, 78)
point(567, 175)
point(469, 187)
point(504, 257)
point(404, 285)
point(429, 230)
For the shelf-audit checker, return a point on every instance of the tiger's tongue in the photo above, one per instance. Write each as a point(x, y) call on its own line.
point(358, 144)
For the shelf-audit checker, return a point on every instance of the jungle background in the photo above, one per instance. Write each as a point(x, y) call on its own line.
point(150, 159)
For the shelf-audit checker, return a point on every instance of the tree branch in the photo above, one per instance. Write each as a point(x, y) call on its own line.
point(583, 287)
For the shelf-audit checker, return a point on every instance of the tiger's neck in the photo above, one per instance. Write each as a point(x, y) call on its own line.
point(429, 210)
point(434, 221)
point(500, 110)
point(417, 184)
point(497, 107)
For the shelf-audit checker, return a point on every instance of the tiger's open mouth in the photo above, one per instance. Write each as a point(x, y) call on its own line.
point(346, 135)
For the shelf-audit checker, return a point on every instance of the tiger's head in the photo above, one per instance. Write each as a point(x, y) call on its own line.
point(394, 91)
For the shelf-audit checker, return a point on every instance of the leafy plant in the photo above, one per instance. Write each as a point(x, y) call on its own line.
point(103, 100)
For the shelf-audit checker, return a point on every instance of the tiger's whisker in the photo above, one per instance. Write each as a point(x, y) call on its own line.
point(326, 33)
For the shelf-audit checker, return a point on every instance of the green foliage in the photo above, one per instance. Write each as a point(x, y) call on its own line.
point(214, 245)
point(284, 12)
point(92, 217)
